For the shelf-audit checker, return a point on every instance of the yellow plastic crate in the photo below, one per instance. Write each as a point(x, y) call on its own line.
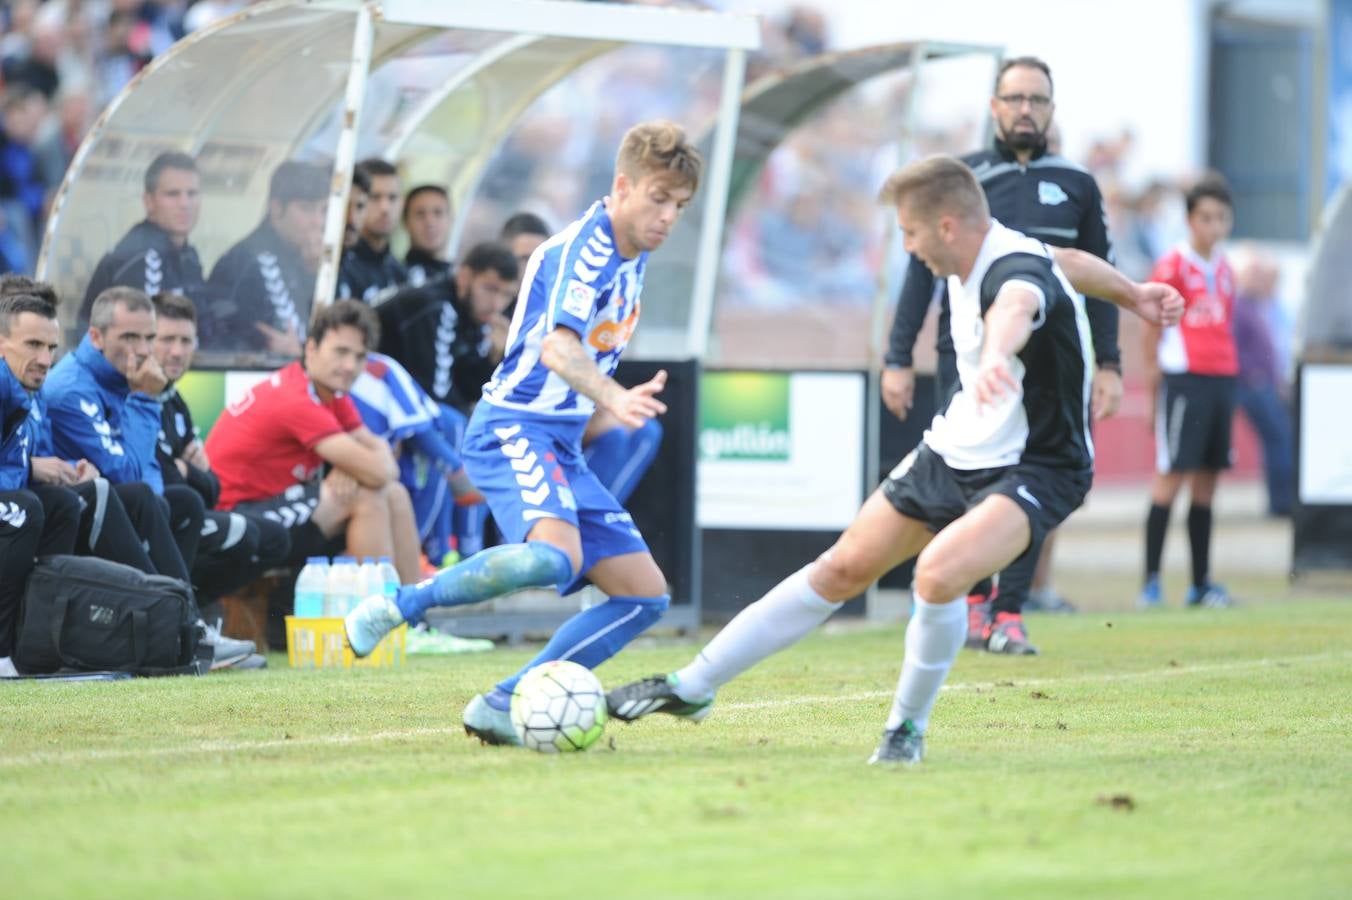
point(320, 643)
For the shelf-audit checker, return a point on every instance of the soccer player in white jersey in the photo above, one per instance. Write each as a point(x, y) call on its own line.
point(577, 308)
point(1005, 463)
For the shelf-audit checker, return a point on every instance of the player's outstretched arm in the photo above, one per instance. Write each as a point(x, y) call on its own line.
point(1153, 301)
point(1009, 324)
point(562, 353)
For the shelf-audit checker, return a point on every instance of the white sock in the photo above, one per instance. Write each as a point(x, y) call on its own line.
point(782, 617)
point(933, 638)
point(7, 669)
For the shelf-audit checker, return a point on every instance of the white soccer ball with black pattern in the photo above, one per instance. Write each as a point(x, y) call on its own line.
point(559, 707)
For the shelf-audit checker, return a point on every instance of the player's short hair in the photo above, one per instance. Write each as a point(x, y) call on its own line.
point(424, 189)
point(343, 313)
point(1025, 62)
point(1211, 185)
point(523, 223)
point(12, 305)
point(936, 185)
point(298, 181)
point(101, 314)
point(171, 159)
point(659, 146)
point(169, 305)
point(491, 255)
point(13, 283)
point(374, 167)
point(361, 181)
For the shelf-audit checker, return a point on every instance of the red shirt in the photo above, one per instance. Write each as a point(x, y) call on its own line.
point(1204, 342)
point(264, 442)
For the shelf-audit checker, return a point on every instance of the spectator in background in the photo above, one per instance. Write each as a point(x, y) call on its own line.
point(56, 150)
point(357, 198)
point(1262, 387)
point(269, 448)
point(23, 192)
point(262, 288)
point(1192, 367)
point(155, 255)
point(427, 219)
point(369, 271)
point(236, 548)
point(522, 233)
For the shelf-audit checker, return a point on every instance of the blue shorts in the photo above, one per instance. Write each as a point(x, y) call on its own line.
point(531, 468)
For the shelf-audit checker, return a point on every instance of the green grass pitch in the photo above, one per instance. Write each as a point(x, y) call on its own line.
point(1178, 754)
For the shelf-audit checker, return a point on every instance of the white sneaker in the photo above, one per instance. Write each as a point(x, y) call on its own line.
point(225, 651)
point(369, 622)
point(7, 669)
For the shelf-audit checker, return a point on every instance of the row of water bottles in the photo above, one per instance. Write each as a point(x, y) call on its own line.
point(333, 589)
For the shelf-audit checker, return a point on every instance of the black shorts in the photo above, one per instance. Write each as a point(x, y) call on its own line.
point(926, 488)
point(293, 509)
point(1193, 415)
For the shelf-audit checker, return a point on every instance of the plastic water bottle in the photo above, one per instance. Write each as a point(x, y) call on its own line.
point(389, 578)
point(371, 582)
point(310, 588)
point(341, 586)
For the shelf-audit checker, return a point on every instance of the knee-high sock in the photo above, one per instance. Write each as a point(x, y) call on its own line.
point(468, 526)
point(1156, 526)
point(782, 617)
point(641, 450)
point(592, 636)
point(486, 575)
point(1199, 538)
point(933, 638)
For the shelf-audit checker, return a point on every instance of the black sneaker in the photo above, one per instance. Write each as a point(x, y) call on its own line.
point(902, 746)
point(655, 694)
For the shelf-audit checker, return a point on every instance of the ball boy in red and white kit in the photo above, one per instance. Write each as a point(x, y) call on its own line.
point(1192, 366)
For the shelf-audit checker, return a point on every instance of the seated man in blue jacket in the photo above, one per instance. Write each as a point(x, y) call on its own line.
point(104, 408)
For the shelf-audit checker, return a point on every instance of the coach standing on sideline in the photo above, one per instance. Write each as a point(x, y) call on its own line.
point(1055, 201)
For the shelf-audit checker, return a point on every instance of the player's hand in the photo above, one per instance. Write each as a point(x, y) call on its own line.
point(639, 403)
point(339, 488)
point(1107, 393)
point(148, 377)
point(182, 468)
point(994, 381)
point(196, 455)
point(898, 389)
point(50, 470)
point(282, 343)
point(85, 471)
point(497, 337)
point(1159, 304)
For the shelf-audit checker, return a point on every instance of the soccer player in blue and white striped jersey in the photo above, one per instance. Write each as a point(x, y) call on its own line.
point(577, 309)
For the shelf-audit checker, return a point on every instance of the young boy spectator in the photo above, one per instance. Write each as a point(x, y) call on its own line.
point(1193, 366)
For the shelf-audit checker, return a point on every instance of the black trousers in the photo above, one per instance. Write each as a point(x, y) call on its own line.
point(235, 549)
point(186, 511)
point(27, 532)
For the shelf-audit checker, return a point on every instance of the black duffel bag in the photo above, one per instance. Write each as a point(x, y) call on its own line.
point(88, 614)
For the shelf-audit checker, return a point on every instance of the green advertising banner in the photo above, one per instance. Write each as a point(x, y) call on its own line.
point(205, 395)
point(744, 416)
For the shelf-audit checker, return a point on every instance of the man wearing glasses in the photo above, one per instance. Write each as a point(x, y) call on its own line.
point(1049, 198)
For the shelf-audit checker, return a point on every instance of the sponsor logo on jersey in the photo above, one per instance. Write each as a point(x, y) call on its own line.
point(578, 299)
point(609, 335)
point(1049, 193)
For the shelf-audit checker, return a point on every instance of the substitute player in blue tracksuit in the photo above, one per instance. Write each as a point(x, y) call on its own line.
point(576, 312)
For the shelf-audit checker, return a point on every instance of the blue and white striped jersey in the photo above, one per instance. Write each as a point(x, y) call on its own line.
point(579, 280)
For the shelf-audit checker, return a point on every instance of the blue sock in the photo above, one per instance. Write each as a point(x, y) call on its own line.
point(486, 575)
point(591, 637)
point(469, 524)
point(641, 451)
point(606, 455)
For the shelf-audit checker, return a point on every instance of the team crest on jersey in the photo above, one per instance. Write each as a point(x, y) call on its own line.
point(1050, 194)
point(578, 299)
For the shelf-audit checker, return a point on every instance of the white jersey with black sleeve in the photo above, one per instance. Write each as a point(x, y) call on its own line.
point(1046, 421)
point(579, 280)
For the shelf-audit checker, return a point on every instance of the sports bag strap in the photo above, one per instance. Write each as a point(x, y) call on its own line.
point(60, 606)
point(140, 628)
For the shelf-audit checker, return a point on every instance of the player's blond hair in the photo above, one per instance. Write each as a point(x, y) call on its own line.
point(935, 186)
point(659, 146)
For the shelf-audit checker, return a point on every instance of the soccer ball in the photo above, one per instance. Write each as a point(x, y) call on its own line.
point(559, 707)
